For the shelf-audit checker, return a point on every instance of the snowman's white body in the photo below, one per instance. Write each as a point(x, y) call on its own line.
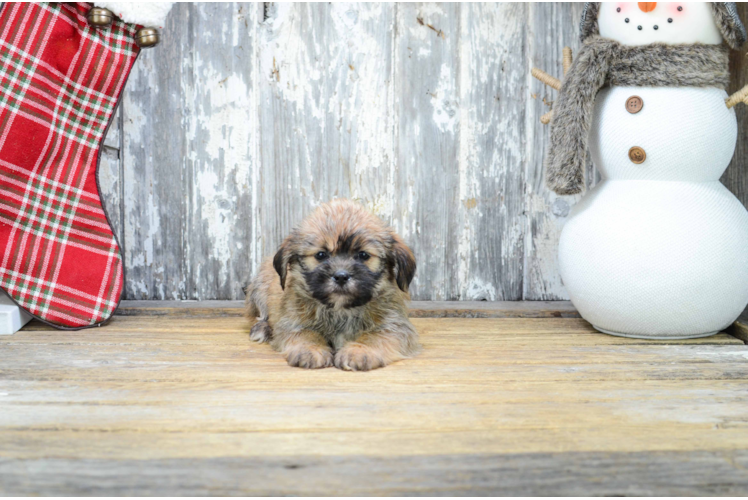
point(659, 249)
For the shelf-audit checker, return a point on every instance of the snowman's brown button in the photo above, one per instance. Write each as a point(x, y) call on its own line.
point(634, 104)
point(637, 155)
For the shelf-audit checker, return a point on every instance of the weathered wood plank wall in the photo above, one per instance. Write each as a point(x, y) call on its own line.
point(249, 115)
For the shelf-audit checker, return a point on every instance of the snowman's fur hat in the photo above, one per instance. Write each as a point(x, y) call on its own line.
point(725, 15)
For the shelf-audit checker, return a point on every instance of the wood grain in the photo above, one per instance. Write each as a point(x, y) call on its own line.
point(154, 147)
point(491, 228)
point(428, 120)
point(147, 402)
point(541, 474)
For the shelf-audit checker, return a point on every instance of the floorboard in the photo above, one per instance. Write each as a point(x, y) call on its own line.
point(176, 401)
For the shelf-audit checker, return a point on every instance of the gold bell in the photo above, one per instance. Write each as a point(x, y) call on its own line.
point(100, 18)
point(147, 37)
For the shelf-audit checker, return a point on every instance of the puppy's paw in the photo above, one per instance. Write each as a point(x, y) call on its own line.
point(359, 357)
point(309, 356)
point(261, 332)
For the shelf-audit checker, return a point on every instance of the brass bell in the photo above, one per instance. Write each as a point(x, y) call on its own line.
point(147, 37)
point(100, 18)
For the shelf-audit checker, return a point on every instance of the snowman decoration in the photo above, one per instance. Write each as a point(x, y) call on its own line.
point(659, 248)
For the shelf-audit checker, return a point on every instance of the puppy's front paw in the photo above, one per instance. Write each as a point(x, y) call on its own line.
point(310, 356)
point(359, 357)
point(261, 332)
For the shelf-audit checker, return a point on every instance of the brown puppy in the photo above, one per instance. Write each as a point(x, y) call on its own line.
point(336, 292)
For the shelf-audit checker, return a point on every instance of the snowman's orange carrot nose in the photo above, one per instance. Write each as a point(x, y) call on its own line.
point(647, 6)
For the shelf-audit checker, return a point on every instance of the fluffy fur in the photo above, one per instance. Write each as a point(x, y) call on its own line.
point(336, 292)
point(588, 25)
point(725, 15)
point(605, 62)
point(729, 24)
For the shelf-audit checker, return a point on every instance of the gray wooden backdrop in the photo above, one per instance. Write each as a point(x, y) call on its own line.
point(247, 116)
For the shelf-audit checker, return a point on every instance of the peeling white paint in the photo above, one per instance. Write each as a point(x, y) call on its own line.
point(217, 212)
point(444, 102)
point(224, 125)
point(142, 216)
point(287, 62)
point(480, 290)
point(490, 145)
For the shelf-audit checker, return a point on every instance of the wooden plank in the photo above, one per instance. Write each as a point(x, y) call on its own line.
point(546, 474)
point(282, 414)
point(153, 157)
point(270, 370)
point(553, 25)
point(213, 308)
point(427, 114)
point(180, 326)
point(490, 225)
point(326, 96)
point(138, 443)
point(221, 115)
point(485, 309)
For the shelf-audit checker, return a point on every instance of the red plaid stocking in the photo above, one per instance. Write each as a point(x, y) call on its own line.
point(60, 82)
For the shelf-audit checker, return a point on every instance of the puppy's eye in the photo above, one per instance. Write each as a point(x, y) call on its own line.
point(320, 256)
point(363, 255)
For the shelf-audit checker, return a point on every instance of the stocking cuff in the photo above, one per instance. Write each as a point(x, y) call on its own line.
point(151, 14)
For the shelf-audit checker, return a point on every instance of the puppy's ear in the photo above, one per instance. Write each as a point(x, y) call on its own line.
point(404, 261)
point(280, 262)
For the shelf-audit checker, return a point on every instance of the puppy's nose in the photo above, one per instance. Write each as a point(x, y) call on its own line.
point(341, 277)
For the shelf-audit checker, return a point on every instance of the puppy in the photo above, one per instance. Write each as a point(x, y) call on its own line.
point(336, 292)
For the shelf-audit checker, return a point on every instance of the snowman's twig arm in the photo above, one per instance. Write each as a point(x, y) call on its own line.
point(551, 81)
point(546, 78)
point(739, 96)
point(567, 59)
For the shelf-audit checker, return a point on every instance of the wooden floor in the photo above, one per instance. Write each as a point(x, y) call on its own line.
point(175, 401)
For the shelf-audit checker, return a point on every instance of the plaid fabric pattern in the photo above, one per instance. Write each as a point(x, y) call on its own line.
point(60, 81)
